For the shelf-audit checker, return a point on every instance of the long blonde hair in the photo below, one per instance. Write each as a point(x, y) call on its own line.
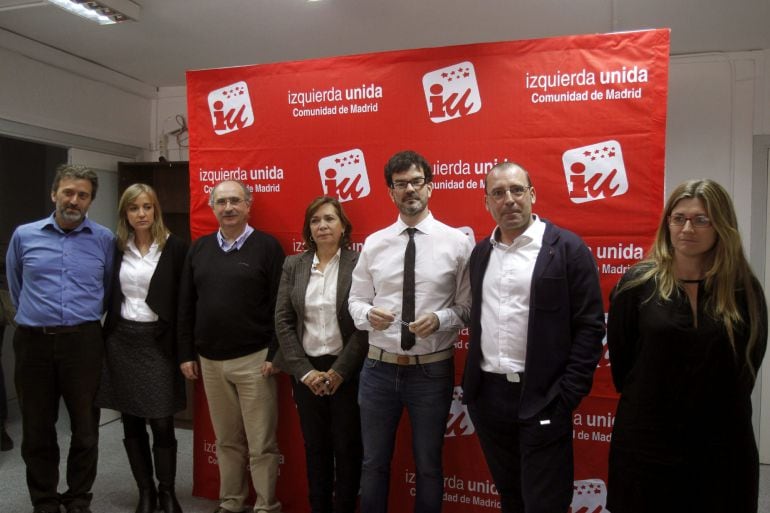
point(729, 271)
point(158, 230)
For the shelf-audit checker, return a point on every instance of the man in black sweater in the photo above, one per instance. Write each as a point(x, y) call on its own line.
point(226, 308)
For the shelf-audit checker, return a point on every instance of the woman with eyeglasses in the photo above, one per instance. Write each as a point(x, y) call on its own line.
point(323, 351)
point(141, 378)
point(687, 330)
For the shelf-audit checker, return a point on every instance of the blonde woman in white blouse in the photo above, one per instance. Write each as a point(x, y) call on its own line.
point(141, 378)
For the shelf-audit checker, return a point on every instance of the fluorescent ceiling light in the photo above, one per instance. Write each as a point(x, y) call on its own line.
point(103, 12)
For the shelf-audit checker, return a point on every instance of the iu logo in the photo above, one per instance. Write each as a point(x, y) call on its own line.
point(595, 172)
point(344, 175)
point(230, 108)
point(589, 496)
point(451, 92)
point(459, 423)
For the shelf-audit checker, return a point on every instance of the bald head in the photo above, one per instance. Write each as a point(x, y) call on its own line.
point(504, 166)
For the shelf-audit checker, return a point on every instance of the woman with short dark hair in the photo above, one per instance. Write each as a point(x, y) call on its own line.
point(323, 351)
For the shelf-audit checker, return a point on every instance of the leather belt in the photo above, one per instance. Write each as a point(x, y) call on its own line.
point(56, 330)
point(510, 377)
point(375, 353)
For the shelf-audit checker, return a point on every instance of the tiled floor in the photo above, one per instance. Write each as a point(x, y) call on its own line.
point(114, 490)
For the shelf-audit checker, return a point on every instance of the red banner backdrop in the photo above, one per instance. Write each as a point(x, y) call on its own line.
point(585, 115)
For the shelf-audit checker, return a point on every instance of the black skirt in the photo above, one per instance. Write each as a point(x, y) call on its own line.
point(138, 378)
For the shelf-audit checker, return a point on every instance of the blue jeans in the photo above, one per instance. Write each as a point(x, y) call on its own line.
point(426, 392)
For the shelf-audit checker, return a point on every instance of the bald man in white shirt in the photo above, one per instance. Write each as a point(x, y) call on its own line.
point(537, 324)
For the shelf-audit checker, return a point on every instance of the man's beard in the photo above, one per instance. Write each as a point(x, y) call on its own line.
point(71, 215)
point(410, 209)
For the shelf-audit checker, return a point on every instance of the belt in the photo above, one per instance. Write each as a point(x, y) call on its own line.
point(375, 353)
point(56, 330)
point(511, 377)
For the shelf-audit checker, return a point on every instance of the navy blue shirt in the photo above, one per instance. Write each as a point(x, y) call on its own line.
point(59, 278)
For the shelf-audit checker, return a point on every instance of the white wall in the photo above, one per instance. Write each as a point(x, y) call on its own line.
point(40, 95)
point(762, 105)
point(170, 105)
point(711, 122)
point(69, 99)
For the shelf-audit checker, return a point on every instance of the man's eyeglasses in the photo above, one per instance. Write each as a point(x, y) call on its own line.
point(699, 221)
point(222, 202)
point(517, 191)
point(401, 185)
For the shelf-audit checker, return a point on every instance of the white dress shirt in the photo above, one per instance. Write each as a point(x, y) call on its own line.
point(135, 274)
point(442, 283)
point(505, 300)
point(322, 334)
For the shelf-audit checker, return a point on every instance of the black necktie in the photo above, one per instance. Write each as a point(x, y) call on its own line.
point(407, 307)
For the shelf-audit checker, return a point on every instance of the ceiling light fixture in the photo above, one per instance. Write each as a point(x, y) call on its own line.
point(103, 12)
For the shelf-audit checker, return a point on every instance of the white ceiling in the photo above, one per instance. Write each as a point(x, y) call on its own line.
point(172, 36)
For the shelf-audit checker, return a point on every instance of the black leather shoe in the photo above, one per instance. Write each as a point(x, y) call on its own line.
point(79, 509)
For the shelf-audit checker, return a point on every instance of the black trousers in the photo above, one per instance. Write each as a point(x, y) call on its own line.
point(331, 427)
point(530, 460)
point(50, 367)
point(3, 396)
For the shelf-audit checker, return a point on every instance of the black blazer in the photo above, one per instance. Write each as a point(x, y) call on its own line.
point(162, 295)
point(566, 323)
point(290, 314)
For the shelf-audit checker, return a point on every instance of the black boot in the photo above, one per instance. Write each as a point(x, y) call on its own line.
point(6, 444)
point(165, 469)
point(138, 450)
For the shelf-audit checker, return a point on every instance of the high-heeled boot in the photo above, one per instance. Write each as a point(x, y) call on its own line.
point(165, 469)
point(138, 451)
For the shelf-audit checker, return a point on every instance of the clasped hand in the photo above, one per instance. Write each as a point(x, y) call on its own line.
point(323, 383)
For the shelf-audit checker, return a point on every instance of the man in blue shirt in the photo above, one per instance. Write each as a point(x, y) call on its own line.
point(58, 274)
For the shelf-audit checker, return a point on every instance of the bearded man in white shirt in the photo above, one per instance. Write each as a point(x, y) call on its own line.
point(411, 291)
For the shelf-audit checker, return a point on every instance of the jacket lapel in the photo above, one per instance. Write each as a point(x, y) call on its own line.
point(547, 253)
point(344, 276)
point(302, 277)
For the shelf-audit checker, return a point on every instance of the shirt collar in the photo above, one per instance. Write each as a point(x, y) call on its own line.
point(335, 258)
point(131, 244)
point(50, 221)
point(534, 231)
point(237, 244)
point(423, 226)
